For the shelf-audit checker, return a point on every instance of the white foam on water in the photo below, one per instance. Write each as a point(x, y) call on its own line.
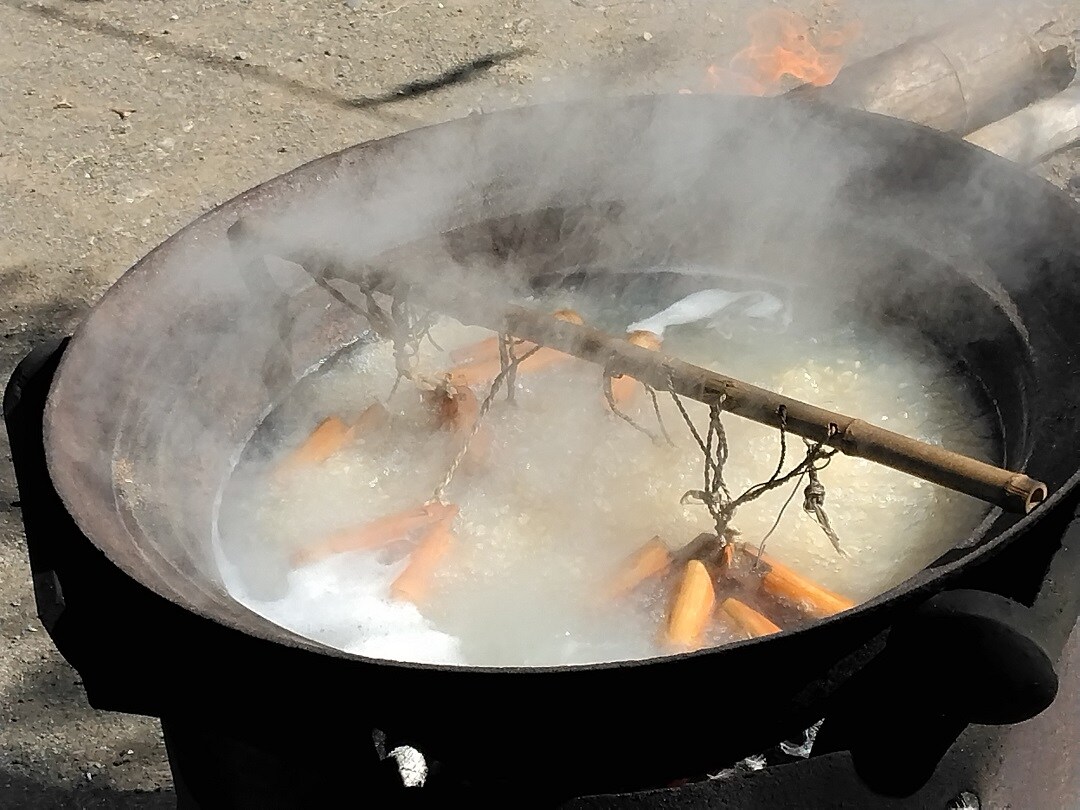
point(344, 601)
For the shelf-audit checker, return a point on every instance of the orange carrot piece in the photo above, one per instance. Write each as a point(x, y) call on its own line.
point(651, 560)
point(692, 607)
point(331, 435)
point(327, 438)
point(486, 349)
point(487, 370)
point(481, 369)
point(458, 409)
point(414, 583)
point(372, 417)
point(747, 619)
point(624, 387)
point(782, 582)
point(379, 532)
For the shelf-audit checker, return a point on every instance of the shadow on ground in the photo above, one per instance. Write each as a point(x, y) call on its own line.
point(20, 792)
point(50, 738)
point(58, 752)
point(461, 73)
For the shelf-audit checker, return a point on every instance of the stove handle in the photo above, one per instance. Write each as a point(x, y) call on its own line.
point(24, 403)
point(963, 656)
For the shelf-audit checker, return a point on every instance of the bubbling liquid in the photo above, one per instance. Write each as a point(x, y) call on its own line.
point(568, 491)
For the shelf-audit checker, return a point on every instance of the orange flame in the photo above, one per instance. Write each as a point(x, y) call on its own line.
point(781, 44)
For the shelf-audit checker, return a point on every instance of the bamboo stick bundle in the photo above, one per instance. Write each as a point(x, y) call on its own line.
point(1036, 132)
point(960, 77)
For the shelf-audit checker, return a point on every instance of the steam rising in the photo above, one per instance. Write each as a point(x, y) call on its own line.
point(803, 199)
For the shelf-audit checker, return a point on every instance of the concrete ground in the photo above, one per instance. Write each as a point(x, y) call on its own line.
point(122, 120)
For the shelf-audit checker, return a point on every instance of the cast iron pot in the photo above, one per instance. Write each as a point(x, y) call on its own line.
point(175, 368)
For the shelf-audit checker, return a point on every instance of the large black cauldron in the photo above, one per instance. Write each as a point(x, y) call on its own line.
point(174, 369)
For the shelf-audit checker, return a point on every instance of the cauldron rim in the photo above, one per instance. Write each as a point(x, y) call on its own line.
point(921, 584)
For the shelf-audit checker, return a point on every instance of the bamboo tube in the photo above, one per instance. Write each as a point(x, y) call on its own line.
point(748, 620)
point(781, 582)
point(377, 533)
point(414, 582)
point(1013, 491)
point(960, 77)
point(484, 372)
point(692, 607)
point(485, 349)
point(651, 560)
point(1036, 132)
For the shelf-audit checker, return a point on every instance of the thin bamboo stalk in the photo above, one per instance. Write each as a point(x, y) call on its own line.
point(1013, 491)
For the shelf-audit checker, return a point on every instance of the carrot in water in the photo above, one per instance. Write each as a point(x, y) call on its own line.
point(327, 438)
point(374, 416)
point(651, 560)
point(747, 619)
point(486, 349)
point(782, 582)
point(379, 532)
point(487, 370)
point(692, 607)
point(624, 387)
point(484, 370)
point(414, 583)
point(332, 434)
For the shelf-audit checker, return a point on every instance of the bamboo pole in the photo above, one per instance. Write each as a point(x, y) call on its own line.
point(1013, 491)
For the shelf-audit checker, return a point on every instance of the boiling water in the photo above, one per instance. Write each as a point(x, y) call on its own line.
point(568, 491)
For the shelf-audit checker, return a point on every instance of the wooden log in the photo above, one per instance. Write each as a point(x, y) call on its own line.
point(1035, 132)
point(958, 78)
